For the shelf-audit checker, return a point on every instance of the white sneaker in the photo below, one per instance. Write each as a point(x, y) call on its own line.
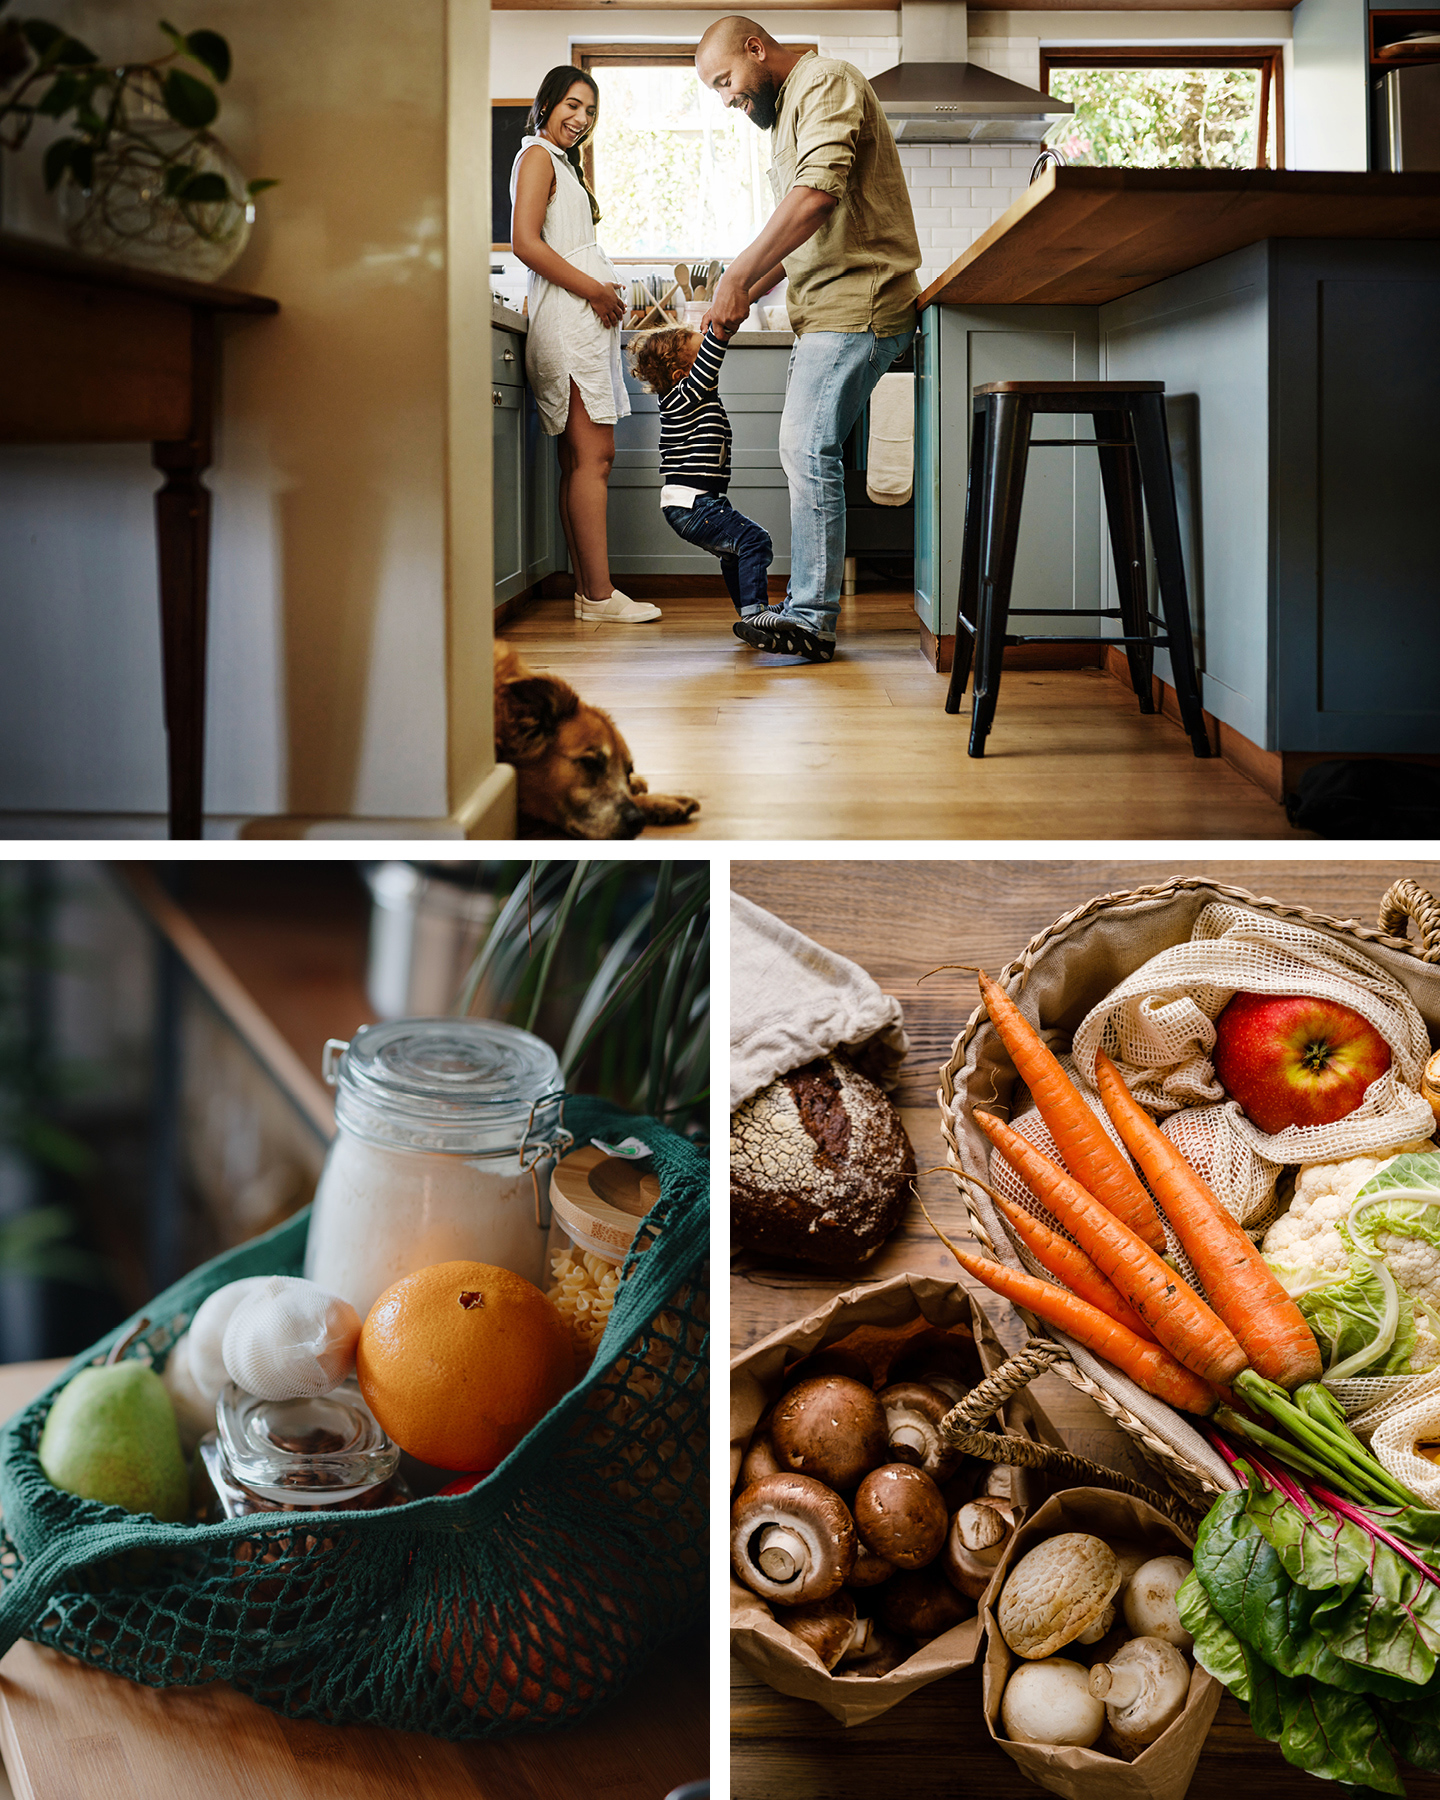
point(617, 609)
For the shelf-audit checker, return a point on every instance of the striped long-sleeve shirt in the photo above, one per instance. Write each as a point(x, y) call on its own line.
point(694, 426)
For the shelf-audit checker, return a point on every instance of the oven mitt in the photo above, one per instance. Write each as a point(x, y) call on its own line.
point(791, 1000)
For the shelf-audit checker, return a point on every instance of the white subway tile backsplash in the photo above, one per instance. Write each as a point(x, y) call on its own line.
point(932, 215)
point(970, 215)
point(990, 156)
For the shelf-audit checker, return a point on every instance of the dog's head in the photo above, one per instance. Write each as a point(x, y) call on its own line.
point(571, 765)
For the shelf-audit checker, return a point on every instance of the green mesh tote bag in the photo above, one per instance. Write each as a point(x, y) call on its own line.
point(525, 1602)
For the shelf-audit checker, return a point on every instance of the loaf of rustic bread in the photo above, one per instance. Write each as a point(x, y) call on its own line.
point(820, 1166)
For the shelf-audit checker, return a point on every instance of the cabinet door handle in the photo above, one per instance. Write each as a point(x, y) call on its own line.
point(509, 356)
point(497, 397)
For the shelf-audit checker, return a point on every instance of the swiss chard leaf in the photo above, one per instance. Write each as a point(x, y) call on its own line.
point(1413, 1727)
point(1319, 1729)
point(1217, 1649)
point(1318, 1550)
point(1391, 1622)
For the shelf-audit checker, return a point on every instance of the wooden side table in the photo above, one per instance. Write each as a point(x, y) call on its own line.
point(99, 353)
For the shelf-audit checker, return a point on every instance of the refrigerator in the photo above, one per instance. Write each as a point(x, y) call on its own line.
point(1412, 116)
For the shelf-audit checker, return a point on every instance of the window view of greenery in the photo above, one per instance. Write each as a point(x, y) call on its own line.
point(1160, 118)
point(675, 173)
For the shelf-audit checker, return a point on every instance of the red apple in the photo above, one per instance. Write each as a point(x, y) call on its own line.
point(1293, 1060)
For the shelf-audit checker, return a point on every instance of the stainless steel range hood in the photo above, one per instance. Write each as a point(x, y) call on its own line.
point(936, 95)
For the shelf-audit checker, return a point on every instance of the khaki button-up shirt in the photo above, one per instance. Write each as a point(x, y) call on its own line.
point(857, 273)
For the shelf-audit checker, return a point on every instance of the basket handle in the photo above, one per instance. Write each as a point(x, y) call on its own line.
point(961, 1426)
point(1406, 900)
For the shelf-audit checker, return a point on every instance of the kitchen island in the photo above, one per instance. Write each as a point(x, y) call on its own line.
point(1292, 317)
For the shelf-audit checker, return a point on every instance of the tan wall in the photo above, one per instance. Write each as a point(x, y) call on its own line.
point(329, 617)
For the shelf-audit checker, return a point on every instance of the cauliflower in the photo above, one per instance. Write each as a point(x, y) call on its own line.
point(1308, 1243)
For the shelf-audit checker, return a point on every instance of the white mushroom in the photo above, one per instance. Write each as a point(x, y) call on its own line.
point(1144, 1687)
point(791, 1539)
point(1059, 1593)
point(1050, 1702)
point(1150, 1609)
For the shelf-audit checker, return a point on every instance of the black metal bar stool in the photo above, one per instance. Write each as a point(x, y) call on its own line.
point(1135, 472)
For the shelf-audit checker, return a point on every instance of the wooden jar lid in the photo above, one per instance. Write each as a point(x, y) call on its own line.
point(600, 1200)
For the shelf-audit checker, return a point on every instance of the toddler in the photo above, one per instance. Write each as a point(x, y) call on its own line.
point(683, 369)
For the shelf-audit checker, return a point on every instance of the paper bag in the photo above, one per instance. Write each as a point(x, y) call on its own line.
point(1162, 1771)
point(873, 1320)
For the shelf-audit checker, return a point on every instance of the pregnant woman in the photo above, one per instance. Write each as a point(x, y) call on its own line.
point(572, 352)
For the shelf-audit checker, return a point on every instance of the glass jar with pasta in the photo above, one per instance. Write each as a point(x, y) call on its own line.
point(597, 1202)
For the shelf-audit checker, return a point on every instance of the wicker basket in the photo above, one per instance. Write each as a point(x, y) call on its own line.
point(1056, 979)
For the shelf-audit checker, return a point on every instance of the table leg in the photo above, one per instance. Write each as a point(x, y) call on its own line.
point(182, 531)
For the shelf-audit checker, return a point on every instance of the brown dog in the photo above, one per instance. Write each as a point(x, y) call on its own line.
point(571, 764)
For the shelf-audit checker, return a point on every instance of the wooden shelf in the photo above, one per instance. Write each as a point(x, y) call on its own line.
point(1084, 236)
point(1388, 30)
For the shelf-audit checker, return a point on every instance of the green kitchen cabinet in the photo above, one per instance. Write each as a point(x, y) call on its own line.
point(529, 543)
point(1060, 558)
point(752, 385)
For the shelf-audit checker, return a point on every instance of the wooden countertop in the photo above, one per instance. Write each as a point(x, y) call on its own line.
point(72, 1732)
point(898, 920)
point(1083, 236)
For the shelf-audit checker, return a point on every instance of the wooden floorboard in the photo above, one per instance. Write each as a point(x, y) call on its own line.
point(862, 748)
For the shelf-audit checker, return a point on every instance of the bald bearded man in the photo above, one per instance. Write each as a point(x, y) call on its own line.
point(844, 234)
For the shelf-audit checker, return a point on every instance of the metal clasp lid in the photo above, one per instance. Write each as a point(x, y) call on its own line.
point(561, 1144)
point(335, 1048)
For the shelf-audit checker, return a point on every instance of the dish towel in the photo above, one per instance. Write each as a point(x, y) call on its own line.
point(792, 1000)
point(890, 475)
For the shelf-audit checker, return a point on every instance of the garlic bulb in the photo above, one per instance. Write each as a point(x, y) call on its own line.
point(194, 1413)
point(290, 1340)
point(206, 1337)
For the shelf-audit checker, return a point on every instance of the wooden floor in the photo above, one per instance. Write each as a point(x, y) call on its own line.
point(862, 748)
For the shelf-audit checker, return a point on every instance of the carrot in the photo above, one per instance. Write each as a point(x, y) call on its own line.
point(1271, 1328)
point(1147, 1365)
point(1172, 1309)
point(1067, 1262)
point(1085, 1148)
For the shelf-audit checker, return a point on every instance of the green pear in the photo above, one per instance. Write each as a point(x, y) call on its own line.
point(111, 1436)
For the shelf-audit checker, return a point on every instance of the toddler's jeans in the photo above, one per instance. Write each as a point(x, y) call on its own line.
point(743, 547)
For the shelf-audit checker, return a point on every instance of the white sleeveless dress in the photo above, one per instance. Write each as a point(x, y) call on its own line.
point(566, 341)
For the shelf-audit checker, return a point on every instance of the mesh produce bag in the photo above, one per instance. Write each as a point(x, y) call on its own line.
point(1158, 1027)
point(525, 1602)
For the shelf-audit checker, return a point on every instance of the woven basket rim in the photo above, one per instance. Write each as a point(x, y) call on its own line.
point(1183, 1476)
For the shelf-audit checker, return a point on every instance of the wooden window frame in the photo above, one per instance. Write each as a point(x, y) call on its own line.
point(637, 56)
point(1269, 59)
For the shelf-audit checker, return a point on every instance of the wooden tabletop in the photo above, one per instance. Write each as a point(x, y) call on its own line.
point(1084, 236)
point(899, 920)
point(40, 258)
point(71, 1732)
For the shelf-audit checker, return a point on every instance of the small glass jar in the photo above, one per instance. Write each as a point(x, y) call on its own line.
point(299, 1455)
point(446, 1129)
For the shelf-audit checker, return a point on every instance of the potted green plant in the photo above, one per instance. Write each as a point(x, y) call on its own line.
point(138, 173)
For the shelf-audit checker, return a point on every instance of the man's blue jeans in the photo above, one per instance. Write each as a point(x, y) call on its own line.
point(743, 547)
point(832, 375)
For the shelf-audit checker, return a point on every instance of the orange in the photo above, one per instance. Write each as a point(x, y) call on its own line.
point(458, 1361)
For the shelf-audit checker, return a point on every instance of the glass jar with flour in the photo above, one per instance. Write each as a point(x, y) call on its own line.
point(446, 1131)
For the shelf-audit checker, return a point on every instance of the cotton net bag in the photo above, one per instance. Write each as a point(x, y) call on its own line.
point(1158, 1026)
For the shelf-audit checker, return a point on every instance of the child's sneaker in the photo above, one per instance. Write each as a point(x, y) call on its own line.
point(616, 609)
point(777, 632)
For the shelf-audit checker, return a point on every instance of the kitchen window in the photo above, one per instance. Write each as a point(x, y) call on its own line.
point(676, 174)
point(1181, 108)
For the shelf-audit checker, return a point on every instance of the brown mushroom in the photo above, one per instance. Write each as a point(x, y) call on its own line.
point(869, 1570)
point(829, 1627)
point(759, 1461)
point(886, 1652)
point(978, 1537)
point(922, 1604)
point(834, 1361)
point(791, 1539)
point(912, 1421)
point(831, 1428)
point(900, 1515)
point(1059, 1593)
